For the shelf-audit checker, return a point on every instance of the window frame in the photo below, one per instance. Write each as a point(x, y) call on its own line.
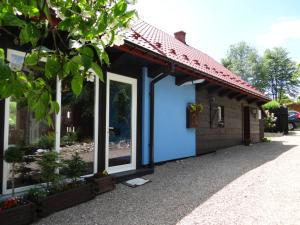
point(6, 167)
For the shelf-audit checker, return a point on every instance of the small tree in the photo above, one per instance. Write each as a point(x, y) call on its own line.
point(13, 155)
point(271, 105)
point(49, 166)
point(74, 167)
point(281, 74)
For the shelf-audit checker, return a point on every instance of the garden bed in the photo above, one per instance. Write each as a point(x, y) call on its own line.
point(19, 215)
point(102, 184)
point(66, 199)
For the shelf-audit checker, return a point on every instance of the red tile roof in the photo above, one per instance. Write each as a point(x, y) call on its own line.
point(151, 38)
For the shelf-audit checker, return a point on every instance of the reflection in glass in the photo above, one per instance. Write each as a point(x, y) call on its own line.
point(32, 137)
point(120, 101)
point(77, 124)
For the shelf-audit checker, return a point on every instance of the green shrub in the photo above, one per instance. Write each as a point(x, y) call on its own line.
point(70, 138)
point(47, 141)
point(271, 105)
point(13, 155)
point(265, 140)
point(35, 194)
point(74, 167)
point(50, 164)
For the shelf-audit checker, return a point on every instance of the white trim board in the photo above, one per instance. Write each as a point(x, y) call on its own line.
point(133, 83)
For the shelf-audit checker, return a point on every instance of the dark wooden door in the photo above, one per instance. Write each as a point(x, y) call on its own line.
point(246, 125)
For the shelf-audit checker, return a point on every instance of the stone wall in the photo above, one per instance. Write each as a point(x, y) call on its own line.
point(209, 138)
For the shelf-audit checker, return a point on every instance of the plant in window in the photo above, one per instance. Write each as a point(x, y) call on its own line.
point(195, 107)
point(13, 155)
point(75, 167)
point(47, 141)
point(50, 164)
point(70, 138)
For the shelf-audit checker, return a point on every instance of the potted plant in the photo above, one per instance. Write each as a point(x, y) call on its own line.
point(58, 194)
point(192, 113)
point(16, 210)
point(102, 182)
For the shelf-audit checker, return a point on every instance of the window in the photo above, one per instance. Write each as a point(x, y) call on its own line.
point(74, 130)
point(220, 111)
point(259, 114)
point(217, 118)
point(77, 124)
point(31, 136)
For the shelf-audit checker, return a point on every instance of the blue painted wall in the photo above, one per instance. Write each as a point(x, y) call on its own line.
point(172, 139)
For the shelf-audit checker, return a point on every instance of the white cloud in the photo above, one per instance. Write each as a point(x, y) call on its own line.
point(279, 33)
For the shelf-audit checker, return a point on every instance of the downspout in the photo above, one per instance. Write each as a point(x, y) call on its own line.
point(152, 97)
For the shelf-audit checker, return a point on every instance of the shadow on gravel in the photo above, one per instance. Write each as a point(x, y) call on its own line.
point(177, 188)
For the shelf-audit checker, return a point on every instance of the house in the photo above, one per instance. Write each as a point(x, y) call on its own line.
point(138, 116)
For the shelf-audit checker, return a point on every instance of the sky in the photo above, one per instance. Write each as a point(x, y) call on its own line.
point(213, 25)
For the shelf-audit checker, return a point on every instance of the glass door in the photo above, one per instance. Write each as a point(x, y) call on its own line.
point(121, 105)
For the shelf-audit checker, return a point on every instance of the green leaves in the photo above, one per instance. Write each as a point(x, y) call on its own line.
point(120, 8)
point(76, 84)
point(65, 25)
point(127, 17)
point(98, 71)
point(105, 58)
point(103, 22)
point(54, 106)
point(86, 56)
point(92, 25)
point(53, 67)
point(2, 55)
point(29, 34)
point(9, 19)
point(31, 59)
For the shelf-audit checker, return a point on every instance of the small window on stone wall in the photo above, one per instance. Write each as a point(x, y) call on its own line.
point(220, 116)
point(217, 116)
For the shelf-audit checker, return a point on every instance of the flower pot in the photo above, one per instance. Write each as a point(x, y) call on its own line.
point(192, 119)
point(20, 215)
point(66, 199)
point(103, 184)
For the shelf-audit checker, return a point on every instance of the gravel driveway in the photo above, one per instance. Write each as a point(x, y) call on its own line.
point(259, 184)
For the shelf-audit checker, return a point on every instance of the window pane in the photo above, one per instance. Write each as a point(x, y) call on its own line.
point(77, 124)
point(120, 102)
point(32, 137)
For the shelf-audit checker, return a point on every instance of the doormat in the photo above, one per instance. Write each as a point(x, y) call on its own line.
point(136, 182)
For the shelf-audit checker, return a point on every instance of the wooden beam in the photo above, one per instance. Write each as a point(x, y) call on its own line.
point(201, 85)
point(240, 97)
point(233, 94)
point(223, 92)
point(251, 100)
point(154, 71)
point(213, 88)
point(260, 103)
point(181, 80)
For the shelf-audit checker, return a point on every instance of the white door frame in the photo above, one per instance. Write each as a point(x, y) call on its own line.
point(133, 83)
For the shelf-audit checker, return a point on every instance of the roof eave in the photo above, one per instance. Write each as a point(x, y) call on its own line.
point(147, 54)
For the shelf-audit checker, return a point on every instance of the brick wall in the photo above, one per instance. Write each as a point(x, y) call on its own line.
point(210, 139)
